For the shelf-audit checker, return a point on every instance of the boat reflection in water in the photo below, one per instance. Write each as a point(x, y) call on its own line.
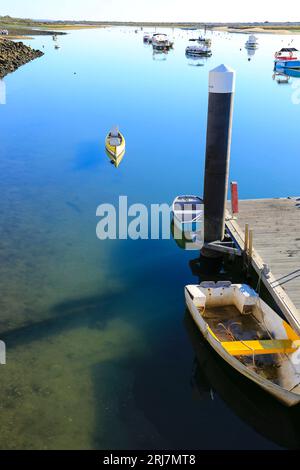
point(2, 92)
point(251, 53)
point(115, 160)
point(196, 61)
point(159, 55)
point(213, 377)
point(283, 76)
point(186, 240)
point(287, 72)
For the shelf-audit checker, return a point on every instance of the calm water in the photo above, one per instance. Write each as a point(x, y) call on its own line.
point(100, 352)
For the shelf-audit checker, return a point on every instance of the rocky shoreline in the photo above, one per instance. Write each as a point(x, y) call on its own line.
point(15, 54)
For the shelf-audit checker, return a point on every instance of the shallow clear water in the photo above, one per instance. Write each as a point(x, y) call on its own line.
point(100, 353)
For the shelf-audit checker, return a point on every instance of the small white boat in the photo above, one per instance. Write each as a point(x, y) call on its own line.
point(287, 58)
point(204, 41)
point(161, 42)
point(198, 51)
point(147, 38)
point(252, 42)
point(281, 78)
point(188, 213)
point(249, 336)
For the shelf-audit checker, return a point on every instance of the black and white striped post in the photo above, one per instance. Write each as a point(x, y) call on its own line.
point(218, 143)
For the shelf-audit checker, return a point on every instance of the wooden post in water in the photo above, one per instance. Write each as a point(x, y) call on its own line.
point(246, 238)
point(250, 251)
point(218, 142)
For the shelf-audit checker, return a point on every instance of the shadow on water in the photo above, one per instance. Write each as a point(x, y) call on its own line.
point(254, 406)
point(92, 311)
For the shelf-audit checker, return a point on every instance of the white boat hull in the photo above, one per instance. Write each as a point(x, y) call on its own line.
point(286, 397)
point(288, 64)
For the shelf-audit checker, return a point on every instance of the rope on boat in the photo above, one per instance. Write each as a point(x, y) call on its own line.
point(278, 282)
point(228, 331)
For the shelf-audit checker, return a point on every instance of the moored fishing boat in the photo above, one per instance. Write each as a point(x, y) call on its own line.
point(161, 42)
point(115, 143)
point(198, 51)
point(252, 42)
point(204, 41)
point(188, 213)
point(249, 336)
point(147, 38)
point(287, 58)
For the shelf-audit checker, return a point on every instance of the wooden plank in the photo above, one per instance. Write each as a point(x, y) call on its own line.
point(254, 347)
point(276, 242)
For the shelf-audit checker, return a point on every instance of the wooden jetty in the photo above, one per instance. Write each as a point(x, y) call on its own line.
point(267, 231)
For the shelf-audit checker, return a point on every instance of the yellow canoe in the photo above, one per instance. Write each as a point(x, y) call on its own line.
point(115, 144)
point(115, 160)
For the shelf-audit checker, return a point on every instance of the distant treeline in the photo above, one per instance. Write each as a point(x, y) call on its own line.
point(31, 22)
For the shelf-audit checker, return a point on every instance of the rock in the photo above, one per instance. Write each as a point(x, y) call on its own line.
point(15, 54)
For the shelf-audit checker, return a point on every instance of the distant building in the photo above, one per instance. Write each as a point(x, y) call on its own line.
point(4, 32)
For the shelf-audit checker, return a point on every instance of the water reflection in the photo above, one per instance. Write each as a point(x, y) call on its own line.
point(212, 376)
point(195, 61)
point(281, 78)
point(250, 53)
point(159, 55)
point(287, 72)
point(284, 76)
point(49, 241)
point(183, 239)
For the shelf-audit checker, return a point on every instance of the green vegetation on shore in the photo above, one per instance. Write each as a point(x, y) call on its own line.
point(28, 27)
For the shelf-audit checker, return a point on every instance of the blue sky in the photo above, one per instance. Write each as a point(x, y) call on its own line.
point(153, 10)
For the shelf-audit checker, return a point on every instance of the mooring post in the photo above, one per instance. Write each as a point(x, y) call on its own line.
point(234, 198)
point(246, 238)
point(218, 142)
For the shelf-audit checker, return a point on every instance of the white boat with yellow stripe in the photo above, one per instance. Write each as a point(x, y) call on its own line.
point(249, 336)
point(115, 143)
